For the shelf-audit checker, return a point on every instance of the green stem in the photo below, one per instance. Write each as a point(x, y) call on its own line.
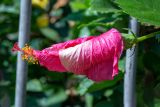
point(142, 38)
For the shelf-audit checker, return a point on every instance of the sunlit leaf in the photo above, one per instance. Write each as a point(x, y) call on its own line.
point(108, 93)
point(34, 86)
point(84, 85)
point(84, 32)
point(103, 6)
point(79, 4)
point(53, 99)
point(8, 9)
point(146, 11)
point(89, 100)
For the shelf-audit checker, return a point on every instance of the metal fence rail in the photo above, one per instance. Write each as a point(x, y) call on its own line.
point(24, 32)
point(130, 70)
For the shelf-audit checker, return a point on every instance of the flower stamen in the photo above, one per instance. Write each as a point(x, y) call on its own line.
point(27, 53)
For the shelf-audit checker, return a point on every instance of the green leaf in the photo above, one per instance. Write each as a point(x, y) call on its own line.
point(121, 65)
point(104, 103)
point(34, 86)
point(89, 100)
point(94, 22)
point(89, 86)
point(8, 9)
point(53, 99)
point(50, 33)
point(36, 43)
point(157, 102)
point(4, 83)
point(79, 4)
point(108, 93)
point(103, 6)
point(146, 11)
point(84, 85)
point(84, 32)
point(105, 84)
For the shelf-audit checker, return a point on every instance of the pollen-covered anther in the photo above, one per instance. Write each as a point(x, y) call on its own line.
point(28, 55)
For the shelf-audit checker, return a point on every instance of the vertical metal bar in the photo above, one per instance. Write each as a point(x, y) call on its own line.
point(130, 70)
point(22, 68)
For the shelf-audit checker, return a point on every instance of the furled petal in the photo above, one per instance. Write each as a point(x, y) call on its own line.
point(95, 57)
point(49, 57)
point(16, 47)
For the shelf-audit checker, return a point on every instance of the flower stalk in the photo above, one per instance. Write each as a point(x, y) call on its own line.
point(131, 40)
point(142, 38)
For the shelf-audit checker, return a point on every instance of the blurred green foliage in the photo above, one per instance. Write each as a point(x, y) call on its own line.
point(61, 20)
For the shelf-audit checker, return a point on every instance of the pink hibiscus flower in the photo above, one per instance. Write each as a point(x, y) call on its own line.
point(95, 57)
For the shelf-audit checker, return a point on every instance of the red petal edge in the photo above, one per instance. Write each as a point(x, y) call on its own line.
point(15, 47)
